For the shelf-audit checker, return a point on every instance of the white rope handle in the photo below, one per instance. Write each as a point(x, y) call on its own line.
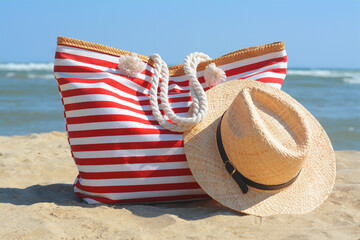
point(199, 101)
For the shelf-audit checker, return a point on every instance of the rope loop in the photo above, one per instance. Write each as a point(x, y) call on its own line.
point(199, 101)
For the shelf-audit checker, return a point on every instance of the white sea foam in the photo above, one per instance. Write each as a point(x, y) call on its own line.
point(41, 76)
point(353, 80)
point(347, 76)
point(10, 74)
point(30, 75)
point(26, 66)
point(321, 73)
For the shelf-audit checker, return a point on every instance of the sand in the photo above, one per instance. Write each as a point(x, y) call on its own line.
point(37, 202)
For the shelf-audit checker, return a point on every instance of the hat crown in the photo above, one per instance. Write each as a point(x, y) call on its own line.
point(265, 136)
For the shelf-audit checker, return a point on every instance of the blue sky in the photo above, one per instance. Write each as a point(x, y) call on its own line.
point(317, 34)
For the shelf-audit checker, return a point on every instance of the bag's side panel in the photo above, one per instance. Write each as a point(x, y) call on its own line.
point(121, 152)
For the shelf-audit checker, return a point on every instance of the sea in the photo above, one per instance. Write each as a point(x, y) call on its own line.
point(30, 102)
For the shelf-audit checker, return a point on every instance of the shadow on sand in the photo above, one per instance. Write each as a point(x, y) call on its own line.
point(63, 195)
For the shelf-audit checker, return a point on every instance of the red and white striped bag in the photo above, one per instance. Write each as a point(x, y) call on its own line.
point(122, 153)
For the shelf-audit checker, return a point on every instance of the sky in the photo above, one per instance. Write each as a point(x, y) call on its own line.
point(317, 34)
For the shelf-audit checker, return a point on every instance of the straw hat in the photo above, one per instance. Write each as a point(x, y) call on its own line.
point(276, 157)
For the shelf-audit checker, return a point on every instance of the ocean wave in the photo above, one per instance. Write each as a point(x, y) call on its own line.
point(347, 76)
point(27, 66)
point(354, 80)
point(41, 76)
point(29, 75)
point(324, 73)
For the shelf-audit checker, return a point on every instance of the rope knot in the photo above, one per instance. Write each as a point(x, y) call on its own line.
point(214, 75)
point(131, 65)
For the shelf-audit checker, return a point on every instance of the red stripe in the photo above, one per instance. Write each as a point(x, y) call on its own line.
point(145, 200)
point(122, 88)
point(117, 85)
point(83, 69)
point(109, 118)
point(101, 91)
point(177, 91)
point(141, 82)
point(270, 80)
point(127, 145)
point(273, 70)
point(146, 102)
point(93, 61)
point(76, 69)
point(130, 160)
point(138, 188)
point(108, 104)
point(135, 174)
point(255, 66)
point(277, 70)
point(117, 132)
point(78, 58)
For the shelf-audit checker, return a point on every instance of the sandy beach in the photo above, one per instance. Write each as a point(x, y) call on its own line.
point(37, 202)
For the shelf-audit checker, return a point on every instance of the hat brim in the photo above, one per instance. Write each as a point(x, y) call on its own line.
point(310, 189)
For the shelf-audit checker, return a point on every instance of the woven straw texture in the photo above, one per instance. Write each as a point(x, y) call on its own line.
point(271, 137)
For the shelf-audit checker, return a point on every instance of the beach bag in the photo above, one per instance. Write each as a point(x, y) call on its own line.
point(122, 153)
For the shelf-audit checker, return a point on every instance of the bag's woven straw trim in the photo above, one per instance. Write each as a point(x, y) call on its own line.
point(178, 70)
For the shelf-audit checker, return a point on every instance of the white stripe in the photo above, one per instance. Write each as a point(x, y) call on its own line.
point(133, 167)
point(245, 74)
point(102, 97)
point(100, 75)
point(87, 53)
point(127, 139)
point(267, 74)
point(147, 194)
point(90, 201)
point(71, 62)
point(74, 63)
point(136, 181)
point(105, 111)
point(276, 85)
point(109, 111)
point(117, 91)
point(111, 125)
point(130, 153)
